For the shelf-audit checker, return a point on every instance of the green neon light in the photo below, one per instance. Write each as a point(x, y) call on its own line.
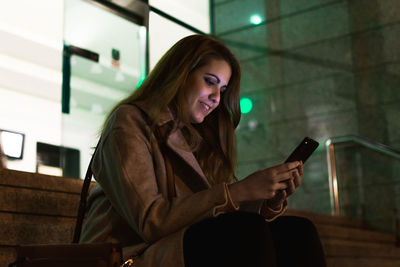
point(246, 105)
point(255, 19)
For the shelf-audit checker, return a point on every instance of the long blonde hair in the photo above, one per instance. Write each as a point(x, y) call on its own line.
point(213, 141)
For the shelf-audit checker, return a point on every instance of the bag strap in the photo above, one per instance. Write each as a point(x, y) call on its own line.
point(83, 200)
point(170, 177)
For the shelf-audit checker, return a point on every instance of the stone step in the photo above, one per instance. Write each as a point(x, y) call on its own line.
point(36, 208)
point(355, 234)
point(364, 262)
point(37, 219)
point(342, 228)
point(7, 255)
point(38, 201)
point(360, 249)
point(13, 234)
point(14, 178)
point(320, 218)
point(33, 193)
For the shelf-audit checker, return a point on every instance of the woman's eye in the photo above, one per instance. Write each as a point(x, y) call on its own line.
point(208, 81)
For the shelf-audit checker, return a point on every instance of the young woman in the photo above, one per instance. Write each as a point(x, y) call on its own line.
point(165, 168)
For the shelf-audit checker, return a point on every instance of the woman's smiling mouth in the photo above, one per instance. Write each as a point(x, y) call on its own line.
point(207, 107)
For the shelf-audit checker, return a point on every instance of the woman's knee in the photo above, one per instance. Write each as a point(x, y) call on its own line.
point(298, 238)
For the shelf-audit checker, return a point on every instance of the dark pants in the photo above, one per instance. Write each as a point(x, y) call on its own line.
point(246, 240)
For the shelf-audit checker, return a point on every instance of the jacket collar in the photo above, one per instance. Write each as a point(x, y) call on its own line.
point(176, 140)
point(165, 116)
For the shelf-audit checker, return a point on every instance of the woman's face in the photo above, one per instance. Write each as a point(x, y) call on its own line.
point(203, 88)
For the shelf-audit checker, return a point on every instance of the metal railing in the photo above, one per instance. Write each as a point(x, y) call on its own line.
point(332, 170)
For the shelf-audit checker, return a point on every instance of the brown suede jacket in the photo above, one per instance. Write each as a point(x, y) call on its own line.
point(130, 203)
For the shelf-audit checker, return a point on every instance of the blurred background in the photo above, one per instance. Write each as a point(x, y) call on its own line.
point(319, 68)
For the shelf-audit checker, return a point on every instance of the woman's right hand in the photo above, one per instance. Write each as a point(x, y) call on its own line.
point(264, 184)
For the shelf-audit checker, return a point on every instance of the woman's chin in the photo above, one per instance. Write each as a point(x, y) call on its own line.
point(197, 120)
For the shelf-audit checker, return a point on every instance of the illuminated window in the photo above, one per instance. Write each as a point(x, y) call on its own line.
point(13, 144)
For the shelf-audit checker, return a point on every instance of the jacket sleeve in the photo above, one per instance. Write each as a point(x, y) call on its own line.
point(262, 208)
point(270, 214)
point(125, 169)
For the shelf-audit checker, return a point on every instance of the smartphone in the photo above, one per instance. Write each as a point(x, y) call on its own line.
point(303, 151)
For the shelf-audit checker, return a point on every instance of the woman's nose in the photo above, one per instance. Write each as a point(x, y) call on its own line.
point(215, 95)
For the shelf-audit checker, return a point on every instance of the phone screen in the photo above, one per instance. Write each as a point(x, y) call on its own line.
point(303, 151)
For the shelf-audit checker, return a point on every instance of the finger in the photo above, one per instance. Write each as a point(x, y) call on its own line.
point(284, 195)
point(291, 187)
point(282, 177)
point(285, 167)
point(301, 168)
point(280, 186)
point(297, 180)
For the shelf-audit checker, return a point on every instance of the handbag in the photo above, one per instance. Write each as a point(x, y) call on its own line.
point(72, 254)
point(68, 255)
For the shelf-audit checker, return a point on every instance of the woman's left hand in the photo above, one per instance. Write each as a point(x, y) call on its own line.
point(281, 195)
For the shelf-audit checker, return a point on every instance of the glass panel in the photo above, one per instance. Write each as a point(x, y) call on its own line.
point(312, 68)
point(368, 185)
point(97, 86)
point(193, 12)
point(161, 40)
